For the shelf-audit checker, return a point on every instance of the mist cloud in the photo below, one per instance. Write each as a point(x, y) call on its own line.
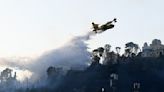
point(73, 54)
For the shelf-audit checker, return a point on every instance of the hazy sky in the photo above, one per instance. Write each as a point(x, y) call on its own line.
point(30, 27)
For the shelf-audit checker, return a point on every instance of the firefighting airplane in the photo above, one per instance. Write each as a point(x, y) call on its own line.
point(104, 27)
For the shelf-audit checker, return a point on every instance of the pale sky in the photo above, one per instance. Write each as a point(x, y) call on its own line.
point(31, 27)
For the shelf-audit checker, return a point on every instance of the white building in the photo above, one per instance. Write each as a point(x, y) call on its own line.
point(153, 50)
